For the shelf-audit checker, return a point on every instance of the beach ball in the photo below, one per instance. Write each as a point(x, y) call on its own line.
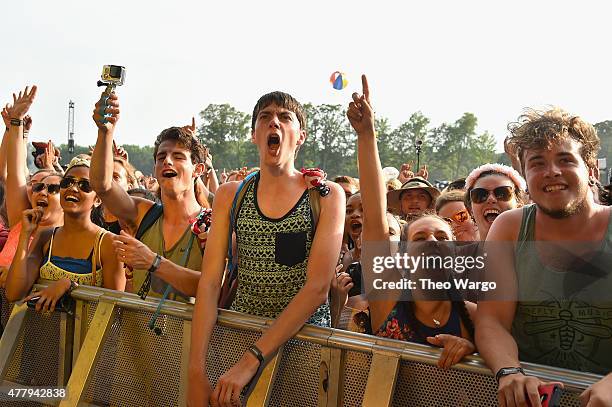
point(338, 80)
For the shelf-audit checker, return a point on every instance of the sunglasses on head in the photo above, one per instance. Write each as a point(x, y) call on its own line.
point(480, 195)
point(460, 217)
point(82, 184)
point(41, 186)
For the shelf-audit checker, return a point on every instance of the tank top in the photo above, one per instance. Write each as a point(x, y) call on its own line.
point(10, 246)
point(273, 257)
point(563, 318)
point(401, 326)
point(81, 271)
point(153, 238)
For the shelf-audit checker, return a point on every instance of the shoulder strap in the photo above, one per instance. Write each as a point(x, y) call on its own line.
point(315, 207)
point(149, 219)
point(51, 243)
point(237, 202)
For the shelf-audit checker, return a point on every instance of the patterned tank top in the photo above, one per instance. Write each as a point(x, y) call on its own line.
point(272, 258)
point(52, 271)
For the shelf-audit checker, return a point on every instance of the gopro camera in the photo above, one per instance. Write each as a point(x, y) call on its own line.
point(113, 75)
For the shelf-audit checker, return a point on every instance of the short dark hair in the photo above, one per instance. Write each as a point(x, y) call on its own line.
point(281, 99)
point(197, 149)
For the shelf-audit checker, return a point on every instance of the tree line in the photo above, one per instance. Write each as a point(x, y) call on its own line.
point(450, 150)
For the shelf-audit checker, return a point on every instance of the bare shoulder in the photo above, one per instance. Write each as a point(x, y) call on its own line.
point(225, 195)
point(506, 226)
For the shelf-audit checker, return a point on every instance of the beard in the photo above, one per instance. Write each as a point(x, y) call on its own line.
point(574, 207)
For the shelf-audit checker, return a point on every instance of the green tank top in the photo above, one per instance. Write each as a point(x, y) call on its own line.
point(272, 258)
point(153, 238)
point(564, 317)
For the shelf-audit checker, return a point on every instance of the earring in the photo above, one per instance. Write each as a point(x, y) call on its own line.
point(591, 182)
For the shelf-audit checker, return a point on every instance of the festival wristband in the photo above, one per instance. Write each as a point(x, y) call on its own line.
point(155, 264)
point(257, 353)
point(16, 122)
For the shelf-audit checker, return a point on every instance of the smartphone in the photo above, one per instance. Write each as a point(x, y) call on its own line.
point(354, 271)
point(550, 395)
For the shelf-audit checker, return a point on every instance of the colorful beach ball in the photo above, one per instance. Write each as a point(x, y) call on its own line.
point(338, 80)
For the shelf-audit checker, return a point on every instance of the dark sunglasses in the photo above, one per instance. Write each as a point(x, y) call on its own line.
point(41, 186)
point(460, 217)
point(480, 195)
point(82, 184)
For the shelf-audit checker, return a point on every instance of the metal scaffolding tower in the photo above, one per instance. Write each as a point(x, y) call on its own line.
point(71, 128)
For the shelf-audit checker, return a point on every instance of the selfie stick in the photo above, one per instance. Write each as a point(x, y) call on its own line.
point(417, 145)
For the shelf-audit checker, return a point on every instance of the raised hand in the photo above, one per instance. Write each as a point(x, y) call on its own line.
point(120, 152)
point(6, 115)
point(48, 158)
point(190, 128)
point(405, 172)
point(27, 123)
point(423, 173)
point(106, 112)
point(360, 112)
point(22, 102)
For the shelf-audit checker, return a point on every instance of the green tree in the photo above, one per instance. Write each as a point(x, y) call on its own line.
point(226, 132)
point(604, 131)
point(330, 143)
point(457, 149)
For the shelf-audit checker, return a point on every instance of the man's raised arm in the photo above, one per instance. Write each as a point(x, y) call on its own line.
point(115, 199)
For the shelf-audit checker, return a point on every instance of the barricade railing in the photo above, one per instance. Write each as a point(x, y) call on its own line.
point(106, 355)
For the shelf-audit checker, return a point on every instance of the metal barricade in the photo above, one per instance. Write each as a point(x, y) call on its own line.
point(118, 361)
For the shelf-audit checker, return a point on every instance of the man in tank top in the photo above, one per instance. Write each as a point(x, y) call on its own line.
point(284, 269)
point(167, 254)
point(556, 254)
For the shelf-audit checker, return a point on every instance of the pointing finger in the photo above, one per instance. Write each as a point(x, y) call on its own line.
point(366, 88)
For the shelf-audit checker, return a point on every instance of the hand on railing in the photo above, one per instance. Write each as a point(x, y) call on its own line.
point(47, 298)
point(599, 394)
point(520, 390)
point(455, 348)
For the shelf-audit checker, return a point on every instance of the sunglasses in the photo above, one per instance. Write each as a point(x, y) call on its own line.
point(480, 195)
point(460, 217)
point(82, 184)
point(41, 186)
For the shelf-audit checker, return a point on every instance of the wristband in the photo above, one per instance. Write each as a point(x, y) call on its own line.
point(16, 122)
point(506, 371)
point(155, 264)
point(257, 353)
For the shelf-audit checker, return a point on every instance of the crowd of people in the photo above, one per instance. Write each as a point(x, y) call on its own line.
point(290, 245)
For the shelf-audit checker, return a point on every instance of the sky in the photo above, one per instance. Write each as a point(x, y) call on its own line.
point(442, 58)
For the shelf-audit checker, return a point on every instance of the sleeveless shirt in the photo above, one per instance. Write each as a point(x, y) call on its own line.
point(153, 238)
point(563, 317)
point(55, 267)
point(273, 257)
point(398, 325)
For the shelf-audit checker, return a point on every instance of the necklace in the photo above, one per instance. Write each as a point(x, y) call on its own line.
point(435, 321)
